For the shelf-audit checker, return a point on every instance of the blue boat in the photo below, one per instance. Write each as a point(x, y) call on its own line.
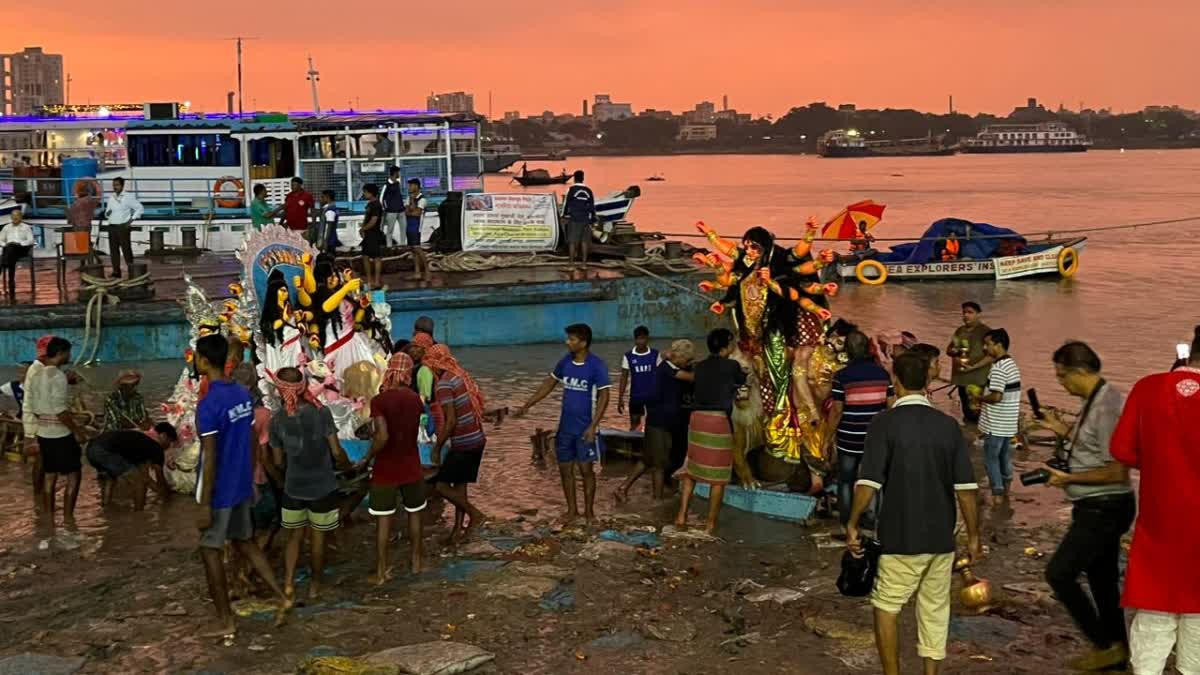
point(984, 252)
point(499, 307)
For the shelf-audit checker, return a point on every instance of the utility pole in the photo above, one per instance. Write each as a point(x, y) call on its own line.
point(313, 78)
point(239, 40)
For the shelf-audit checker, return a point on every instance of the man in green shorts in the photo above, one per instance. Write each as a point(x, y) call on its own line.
point(304, 441)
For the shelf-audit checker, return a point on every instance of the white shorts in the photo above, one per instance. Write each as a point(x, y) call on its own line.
point(1154, 634)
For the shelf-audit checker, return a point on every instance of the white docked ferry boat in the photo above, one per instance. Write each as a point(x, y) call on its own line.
point(195, 174)
point(1045, 137)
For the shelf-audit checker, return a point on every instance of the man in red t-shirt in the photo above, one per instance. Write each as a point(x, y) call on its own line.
point(1158, 435)
point(396, 475)
point(296, 206)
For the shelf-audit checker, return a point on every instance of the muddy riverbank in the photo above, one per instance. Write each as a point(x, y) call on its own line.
point(622, 597)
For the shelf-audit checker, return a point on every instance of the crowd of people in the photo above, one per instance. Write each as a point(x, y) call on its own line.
point(903, 472)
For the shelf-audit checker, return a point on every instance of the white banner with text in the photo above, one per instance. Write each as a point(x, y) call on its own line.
point(510, 223)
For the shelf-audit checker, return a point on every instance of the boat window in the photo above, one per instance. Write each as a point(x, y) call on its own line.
point(183, 150)
point(421, 141)
point(463, 140)
point(323, 147)
point(373, 145)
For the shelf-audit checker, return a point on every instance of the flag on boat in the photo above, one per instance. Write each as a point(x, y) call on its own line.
point(845, 224)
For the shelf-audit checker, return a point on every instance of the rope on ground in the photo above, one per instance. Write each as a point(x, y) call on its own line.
point(101, 289)
point(1048, 233)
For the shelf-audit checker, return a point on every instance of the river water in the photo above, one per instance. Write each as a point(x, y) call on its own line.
point(1131, 299)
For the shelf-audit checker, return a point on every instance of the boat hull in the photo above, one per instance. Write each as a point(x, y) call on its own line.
point(839, 152)
point(1046, 265)
point(481, 314)
point(540, 182)
point(497, 162)
point(1021, 149)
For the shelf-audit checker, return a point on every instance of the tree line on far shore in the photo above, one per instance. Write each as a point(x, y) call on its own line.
point(801, 127)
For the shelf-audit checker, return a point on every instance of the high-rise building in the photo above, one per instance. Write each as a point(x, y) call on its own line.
point(451, 102)
point(29, 80)
point(704, 113)
point(725, 102)
point(604, 109)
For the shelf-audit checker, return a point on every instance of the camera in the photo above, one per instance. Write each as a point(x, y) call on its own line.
point(1041, 476)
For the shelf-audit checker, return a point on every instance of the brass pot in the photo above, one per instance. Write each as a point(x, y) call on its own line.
point(976, 593)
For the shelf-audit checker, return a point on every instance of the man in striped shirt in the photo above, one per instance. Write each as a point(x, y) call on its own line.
point(861, 391)
point(1001, 403)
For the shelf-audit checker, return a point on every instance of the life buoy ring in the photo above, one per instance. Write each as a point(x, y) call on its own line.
point(1068, 262)
point(86, 186)
point(881, 273)
point(221, 195)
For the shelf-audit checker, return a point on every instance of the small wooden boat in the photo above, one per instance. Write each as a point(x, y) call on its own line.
point(535, 177)
point(985, 252)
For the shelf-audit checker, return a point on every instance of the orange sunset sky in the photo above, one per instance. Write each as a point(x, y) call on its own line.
point(766, 55)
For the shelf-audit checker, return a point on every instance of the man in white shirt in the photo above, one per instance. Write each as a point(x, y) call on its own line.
point(16, 241)
point(47, 414)
point(121, 210)
point(1000, 417)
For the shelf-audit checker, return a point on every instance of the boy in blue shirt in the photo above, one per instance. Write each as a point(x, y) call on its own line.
point(637, 366)
point(584, 377)
point(225, 484)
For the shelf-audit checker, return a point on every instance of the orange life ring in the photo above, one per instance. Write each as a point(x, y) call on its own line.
point(881, 273)
point(227, 202)
point(82, 184)
point(1068, 262)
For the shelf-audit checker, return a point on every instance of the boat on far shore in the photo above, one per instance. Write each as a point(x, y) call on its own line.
point(851, 143)
point(1022, 138)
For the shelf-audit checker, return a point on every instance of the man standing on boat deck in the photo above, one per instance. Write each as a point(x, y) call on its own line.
point(121, 210)
point(296, 206)
point(392, 199)
point(579, 214)
point(414, 217)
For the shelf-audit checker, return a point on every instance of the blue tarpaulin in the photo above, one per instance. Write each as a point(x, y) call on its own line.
point(931, 244)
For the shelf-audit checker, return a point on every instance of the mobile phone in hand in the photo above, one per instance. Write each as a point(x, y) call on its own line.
point(1031, 393)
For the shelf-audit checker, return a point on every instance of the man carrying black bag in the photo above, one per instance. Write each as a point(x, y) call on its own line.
point(918, 458)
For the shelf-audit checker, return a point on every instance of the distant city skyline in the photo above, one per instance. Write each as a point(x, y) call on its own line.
point(765, 56)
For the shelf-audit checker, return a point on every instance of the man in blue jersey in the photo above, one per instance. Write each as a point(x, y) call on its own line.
point(637, 366)
point(579, 214)
point(584, 377)
point(225, 486)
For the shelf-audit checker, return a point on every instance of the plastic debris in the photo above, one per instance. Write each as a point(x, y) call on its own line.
point(432, 658)
point(632, 538)
point(671, 630)
point(561, 598)
point(624, 639)
point(776, 594)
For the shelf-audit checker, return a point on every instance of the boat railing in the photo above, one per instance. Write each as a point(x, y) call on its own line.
point(165, 198)
point(161, 197)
